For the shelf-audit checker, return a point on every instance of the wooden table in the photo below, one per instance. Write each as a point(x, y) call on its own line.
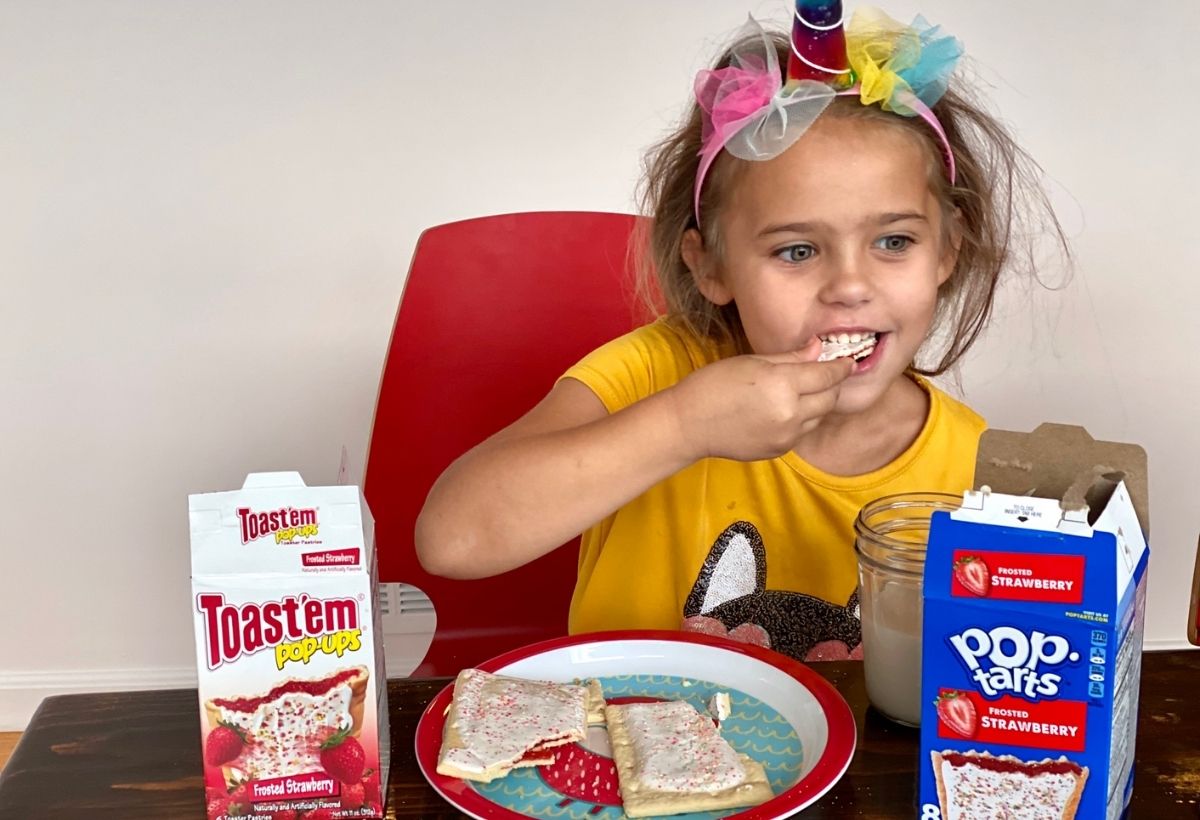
point(136, 755)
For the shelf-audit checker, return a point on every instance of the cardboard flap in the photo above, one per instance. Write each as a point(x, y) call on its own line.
point(258, 481)
point(1064, 462)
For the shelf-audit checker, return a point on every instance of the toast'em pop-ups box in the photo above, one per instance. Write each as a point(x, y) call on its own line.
point(293, 709)
point(1034, 598)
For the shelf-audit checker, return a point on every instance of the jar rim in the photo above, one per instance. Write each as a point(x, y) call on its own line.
point(898, 555)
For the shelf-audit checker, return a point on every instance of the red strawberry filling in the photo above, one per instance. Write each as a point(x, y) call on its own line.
point(1010, 766)
point(311, 687)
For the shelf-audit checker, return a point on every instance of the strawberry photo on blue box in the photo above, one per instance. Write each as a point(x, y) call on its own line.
point(1034, 597)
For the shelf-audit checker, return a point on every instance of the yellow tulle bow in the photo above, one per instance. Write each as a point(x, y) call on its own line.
point(886, 54)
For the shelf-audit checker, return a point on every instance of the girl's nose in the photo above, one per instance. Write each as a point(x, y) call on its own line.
point(846, 283)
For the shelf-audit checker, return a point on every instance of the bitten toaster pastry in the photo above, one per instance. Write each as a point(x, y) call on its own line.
point(497, 723)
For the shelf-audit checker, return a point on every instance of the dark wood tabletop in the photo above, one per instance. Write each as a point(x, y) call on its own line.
point(135, 755)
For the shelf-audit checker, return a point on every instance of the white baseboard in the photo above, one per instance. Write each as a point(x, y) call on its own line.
point(22, 692)
point(1165, 644)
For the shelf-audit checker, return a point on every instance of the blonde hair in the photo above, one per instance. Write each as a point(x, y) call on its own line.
point(996, 197)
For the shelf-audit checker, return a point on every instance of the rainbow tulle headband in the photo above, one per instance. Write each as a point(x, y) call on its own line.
point(749, 111)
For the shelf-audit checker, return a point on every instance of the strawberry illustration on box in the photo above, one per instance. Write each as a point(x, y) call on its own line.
point(292, 688)
point(1034, 597)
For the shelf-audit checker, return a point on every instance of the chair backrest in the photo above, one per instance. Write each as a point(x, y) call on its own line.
point(494, 310)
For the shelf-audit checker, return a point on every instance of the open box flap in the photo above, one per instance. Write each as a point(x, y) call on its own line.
point(1064, 462)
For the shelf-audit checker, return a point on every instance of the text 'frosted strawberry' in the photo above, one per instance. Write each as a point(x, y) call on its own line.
point(285, 524)
point(1017, 661)
point(297, 627)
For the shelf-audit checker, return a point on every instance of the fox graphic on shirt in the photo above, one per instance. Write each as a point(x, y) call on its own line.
point(730, 599)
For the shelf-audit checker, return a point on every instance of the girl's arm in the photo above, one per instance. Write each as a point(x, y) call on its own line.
point(568, 463)
point(538, 483)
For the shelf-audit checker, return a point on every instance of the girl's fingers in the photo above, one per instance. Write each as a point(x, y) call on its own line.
point(808, 353)
point(814, 377)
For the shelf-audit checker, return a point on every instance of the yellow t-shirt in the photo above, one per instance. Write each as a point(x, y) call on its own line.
point(759, 550)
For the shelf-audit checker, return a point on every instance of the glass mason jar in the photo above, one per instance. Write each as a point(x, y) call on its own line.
point(891, 534)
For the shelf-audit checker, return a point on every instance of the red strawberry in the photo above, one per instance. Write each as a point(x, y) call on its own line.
point(370, 784)
point(972, 573)
point(239, 800)
point(957, 713)
point(353, 796)
point(224, 744)
point(319, 814)
point(342, 756)
point(218, 806)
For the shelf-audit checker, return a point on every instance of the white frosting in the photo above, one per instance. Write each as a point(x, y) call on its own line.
point(499, 718)
point(678, 749)
point(976, 793)
point(719, 706)
point(286, 733)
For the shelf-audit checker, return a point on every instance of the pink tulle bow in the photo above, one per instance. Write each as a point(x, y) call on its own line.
point(731, 98)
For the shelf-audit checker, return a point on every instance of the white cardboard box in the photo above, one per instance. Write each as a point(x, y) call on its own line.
point(293, 694)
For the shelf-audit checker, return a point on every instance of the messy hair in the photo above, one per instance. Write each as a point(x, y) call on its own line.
point(996, 195)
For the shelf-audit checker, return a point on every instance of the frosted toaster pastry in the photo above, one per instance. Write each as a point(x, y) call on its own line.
point(497, 723)
point(286, 726)
point(672, 760)
point(977, 784)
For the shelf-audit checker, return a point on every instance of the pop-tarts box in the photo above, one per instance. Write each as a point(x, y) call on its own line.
point(1034, 597)
point(293, 695)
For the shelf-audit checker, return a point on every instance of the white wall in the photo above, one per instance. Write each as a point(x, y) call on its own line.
point(207, 211)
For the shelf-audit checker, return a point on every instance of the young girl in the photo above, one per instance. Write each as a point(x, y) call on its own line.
point(811, 231)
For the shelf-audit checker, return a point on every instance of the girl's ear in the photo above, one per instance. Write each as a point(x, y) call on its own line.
point(953, 244)
point(703, 267)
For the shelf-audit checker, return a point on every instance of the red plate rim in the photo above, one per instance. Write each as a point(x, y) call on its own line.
point(828, 770)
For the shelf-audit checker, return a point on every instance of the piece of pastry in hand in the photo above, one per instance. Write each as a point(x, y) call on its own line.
point(497, 723)
point(840, 345)
point(672, 760)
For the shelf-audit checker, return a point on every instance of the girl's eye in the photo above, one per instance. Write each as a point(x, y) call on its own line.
point(796, 253)
point(893, 243)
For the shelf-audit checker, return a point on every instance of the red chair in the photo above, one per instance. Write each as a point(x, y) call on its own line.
point(494, 310)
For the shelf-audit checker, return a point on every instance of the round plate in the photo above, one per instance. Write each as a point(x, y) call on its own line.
point(785, 715)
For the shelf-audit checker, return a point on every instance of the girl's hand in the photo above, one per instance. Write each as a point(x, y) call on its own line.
point(755, 407)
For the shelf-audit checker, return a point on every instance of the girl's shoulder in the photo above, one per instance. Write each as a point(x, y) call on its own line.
point(663, 345)
point(645, 360)
point(948, 413)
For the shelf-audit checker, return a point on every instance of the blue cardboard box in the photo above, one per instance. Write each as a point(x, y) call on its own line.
point(1034, 597)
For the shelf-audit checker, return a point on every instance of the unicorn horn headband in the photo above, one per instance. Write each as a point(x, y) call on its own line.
point(749, 111)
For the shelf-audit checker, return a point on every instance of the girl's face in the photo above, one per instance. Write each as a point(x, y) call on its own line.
point(840, 234)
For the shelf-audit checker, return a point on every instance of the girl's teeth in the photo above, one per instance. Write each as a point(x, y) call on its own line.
point(847, 338)
point(842, 345)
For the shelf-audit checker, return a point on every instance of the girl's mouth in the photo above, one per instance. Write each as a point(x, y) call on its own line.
point(857, 346)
